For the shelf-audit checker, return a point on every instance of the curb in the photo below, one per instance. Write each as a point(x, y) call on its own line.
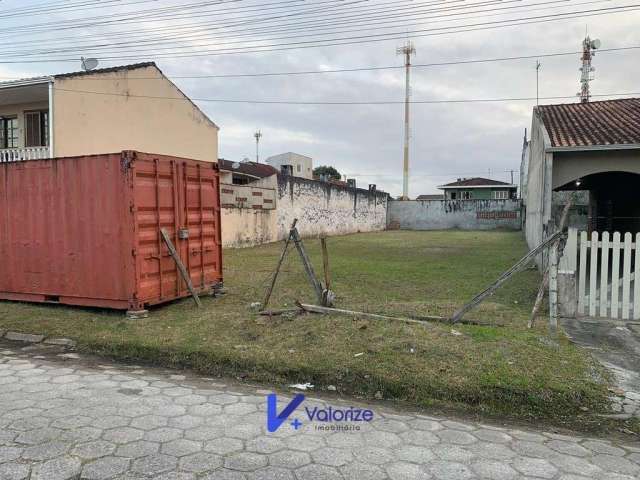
point(35, 338)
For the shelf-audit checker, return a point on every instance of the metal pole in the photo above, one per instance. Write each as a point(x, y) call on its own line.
point(407, 51)
point(538, 65)
point(407, 133)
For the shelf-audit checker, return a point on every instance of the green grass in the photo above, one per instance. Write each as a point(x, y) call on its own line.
point(496, 370)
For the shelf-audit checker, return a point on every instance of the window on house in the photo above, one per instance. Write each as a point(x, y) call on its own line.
point(8, 132)
point(501, 194)
point(36, 128)
point(299, 168)
point(466, 195)
point(453, 195)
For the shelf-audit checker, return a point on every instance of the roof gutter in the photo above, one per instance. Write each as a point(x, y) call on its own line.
point(27, 82)
point(595, 148)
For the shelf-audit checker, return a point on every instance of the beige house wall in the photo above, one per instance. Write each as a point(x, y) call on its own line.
point(18, 111)
point(570, 166)
point(118, 119)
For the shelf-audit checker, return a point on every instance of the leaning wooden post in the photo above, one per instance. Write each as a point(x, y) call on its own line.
point(275, 274)
point(181, 268)
point(308, 267)
point(553, 288)
point(544, 285)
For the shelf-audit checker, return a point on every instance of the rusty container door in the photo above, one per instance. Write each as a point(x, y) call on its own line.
point(66, 232)
point(182, 197)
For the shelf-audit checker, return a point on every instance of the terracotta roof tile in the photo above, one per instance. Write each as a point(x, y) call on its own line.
point(260, 170)
point(607, 122)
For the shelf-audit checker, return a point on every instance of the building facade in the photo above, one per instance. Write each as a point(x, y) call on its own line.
point(591, 152)
point(108, 110)
point(293, 164)
point(479, 189)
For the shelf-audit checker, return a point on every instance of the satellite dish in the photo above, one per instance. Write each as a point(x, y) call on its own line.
point(245, 160)
point(89, 63)
point(235, 165)
point(595, 44)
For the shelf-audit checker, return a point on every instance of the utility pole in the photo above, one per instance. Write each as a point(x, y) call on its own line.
point(258, 136)
point(538, 65)
point(588, 52)
point(511, 177)
point(407, 50)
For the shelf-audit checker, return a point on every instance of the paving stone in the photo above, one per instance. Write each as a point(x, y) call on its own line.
point(535, 467)
point(154, 464)
point(149, 422)
point(63, 468)
point(181, 447)
point(223, 446)
point(8, 454)
point(318, 472)
point(289, 459)
point(104, 468)
point(14, 471)
point(362, 471)
point(137, 449)
point(603, 447)
point(406, 471)
point(414, 454)
point(200, 462)
point(271, 473)
point(568, 448)
point(264, 444)
point(456, 437)
point(64, 342)
point(46, 451)
point(494, 470)
point(123, 435)
point(164, 434)
point(494, 436)
point(450, 471)
point(93, 450)
point(23, 337)
point(245, 462)
point(334, 457)
point(612, 463)
point(372, 455)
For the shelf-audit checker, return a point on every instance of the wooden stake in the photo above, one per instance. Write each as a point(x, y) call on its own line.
point(277, 271)
point(372, 316)
point(308, 267)
point(181, 268)
point(325, 263)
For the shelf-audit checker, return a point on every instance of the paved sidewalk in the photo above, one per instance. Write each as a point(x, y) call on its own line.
point(63, 417)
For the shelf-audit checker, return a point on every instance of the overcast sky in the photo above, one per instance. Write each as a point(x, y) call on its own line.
point(365, 141)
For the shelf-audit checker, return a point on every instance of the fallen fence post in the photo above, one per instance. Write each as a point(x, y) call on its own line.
point(372, 316)
point(490, 290)
point(181, 268)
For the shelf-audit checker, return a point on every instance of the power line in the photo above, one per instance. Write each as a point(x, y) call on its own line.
point(373, 68)
point(382, 102)
point(366, 39)
point(95, 48)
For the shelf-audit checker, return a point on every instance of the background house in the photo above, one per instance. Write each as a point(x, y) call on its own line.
point(479, 189)
point(591, 148)
point(293, 164)
point(244, 173)
point(102, 111)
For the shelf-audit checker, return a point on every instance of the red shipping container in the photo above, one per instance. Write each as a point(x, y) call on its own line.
point(86, 230)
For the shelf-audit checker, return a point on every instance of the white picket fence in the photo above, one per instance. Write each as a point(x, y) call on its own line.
point(608, 280)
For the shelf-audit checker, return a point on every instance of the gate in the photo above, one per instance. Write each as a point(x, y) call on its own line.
point(608, 282)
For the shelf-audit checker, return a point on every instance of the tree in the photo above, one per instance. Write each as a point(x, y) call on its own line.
point(330, 172)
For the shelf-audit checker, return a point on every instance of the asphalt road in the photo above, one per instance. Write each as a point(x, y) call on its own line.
point(64, 417)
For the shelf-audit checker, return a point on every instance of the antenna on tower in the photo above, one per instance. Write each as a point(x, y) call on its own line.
point(258, 136)
point(538, 65)
point(407, 50)
point(588, 52)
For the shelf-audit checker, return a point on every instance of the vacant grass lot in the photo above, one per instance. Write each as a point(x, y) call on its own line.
point(493, 369)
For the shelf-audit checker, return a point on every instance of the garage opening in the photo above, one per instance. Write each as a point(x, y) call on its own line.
point(613, 201)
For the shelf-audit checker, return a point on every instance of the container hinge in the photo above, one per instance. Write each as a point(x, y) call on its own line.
point(132, 208)
point(134, 252)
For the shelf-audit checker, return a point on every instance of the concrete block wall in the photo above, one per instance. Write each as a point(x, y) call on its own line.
point(321, 209)
point(454, 214)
